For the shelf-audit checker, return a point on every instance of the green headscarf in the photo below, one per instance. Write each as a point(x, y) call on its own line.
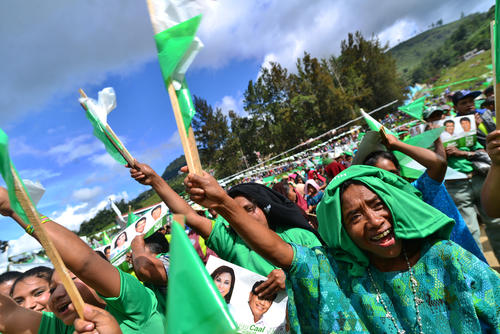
point(412, 218)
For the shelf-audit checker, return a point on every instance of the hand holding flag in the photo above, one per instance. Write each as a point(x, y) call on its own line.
point(97, 113)
point(22, 204)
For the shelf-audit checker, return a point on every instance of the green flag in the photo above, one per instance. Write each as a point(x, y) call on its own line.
point(194, 304)
point(131, 218)
point(97, 112)
point(177, 46)
point(6, 169)
point(105, 239)
point(414, 109)
point(373, 124)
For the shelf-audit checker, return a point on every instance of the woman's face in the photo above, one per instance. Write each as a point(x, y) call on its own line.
point(387, 165)
point(223, 283)
point(368, 222)
point(121, 240)
point(311, 190)
point(292, 196)
point(139, 228)
point(32, 293)
point(252, 209)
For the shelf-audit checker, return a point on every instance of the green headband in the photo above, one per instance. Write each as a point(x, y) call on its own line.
point(412, 218)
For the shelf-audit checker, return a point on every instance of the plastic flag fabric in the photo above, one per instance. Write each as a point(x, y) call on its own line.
point(117, 211)
point(6, 169)
point(97, 113)
point(414, 109)
point(131, 218)
point(105, 239)
point(176, 23)
point(194, 304)
point(373, 124)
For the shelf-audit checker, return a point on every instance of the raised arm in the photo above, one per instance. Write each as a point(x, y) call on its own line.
point(144, 174)
point(205, 191)
point(434, 163)
point(78, 257)
point(146, 266)
point(17, 319)
point(491, 187)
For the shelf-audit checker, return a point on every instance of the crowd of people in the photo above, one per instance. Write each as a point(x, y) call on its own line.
point(356, 246)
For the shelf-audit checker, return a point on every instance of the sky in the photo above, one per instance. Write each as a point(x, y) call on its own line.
point(50, 49)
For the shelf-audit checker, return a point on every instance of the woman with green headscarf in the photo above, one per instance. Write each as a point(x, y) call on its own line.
point(388, 266)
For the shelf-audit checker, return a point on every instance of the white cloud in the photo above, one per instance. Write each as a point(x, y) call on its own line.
point(73, 216)
point(75, 148)
point(38, 174)
point(18, 146)
point(230, 103)
point(87, 194)
point(55, 48)
point(400, 31)
point(105, 160)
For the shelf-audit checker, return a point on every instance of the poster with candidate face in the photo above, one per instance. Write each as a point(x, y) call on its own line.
point(459, 131)
point(252, 313)
point(147, 224)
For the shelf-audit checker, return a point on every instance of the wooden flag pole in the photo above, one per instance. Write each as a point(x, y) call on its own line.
point(113, 138)
point(496, 86)
point(187, 139)
point(50, 249)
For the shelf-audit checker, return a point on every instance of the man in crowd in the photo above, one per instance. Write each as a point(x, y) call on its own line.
point(466, 192)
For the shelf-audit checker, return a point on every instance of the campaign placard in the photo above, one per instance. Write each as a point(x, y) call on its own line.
point(251, 313)
point(459, 131)
point(147, 224)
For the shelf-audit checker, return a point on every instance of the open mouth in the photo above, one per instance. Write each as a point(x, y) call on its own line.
point(63, 308)
point(385, 238)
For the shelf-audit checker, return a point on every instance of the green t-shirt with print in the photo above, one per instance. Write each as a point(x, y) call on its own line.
point(135, 310)
point(228, 245)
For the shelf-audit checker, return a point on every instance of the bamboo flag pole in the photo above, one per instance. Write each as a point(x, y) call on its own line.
point(187, 139)
point(50, 249)
point(113, 138)
point(496, 86)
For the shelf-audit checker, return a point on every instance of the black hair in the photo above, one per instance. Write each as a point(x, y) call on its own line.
point(372, 158)
point(464, 119)
point(101, 254)
point(449, 121)
point(489, 90)
point(230, 271)
point(9, 276)
point(157, 243)
point(106, 248)
point(255, 285)
point(42, 272)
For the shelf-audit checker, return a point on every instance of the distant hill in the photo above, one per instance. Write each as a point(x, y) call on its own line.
point(422, 57)
point(172, 170)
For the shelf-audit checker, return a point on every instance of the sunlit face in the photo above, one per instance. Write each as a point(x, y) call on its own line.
point(223, 283)
point(465, 106)
point(59, 300)
point(387, 165)
point(156, 213)
point(140, 225)
point(107, 252)
point(258, 306)
point(32, 293)
point(368, 222)
point(252, 209)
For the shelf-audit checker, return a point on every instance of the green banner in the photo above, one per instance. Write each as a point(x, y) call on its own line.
point(194, 304)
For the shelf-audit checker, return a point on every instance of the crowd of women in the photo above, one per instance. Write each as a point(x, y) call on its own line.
point(356, 247)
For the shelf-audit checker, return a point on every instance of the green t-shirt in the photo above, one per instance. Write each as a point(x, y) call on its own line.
point(52, 324)
point(135, 310)
point(224, 241)
point(462, 164)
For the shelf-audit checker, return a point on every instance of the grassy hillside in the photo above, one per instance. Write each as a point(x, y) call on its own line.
point(423, 57)
point(474, 67)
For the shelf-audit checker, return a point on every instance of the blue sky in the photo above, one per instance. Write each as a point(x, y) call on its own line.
point(51, 50)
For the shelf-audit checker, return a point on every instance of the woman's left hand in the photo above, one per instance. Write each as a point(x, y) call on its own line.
point(275, 282)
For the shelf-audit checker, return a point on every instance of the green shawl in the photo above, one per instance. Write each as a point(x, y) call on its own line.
point(412, 217)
